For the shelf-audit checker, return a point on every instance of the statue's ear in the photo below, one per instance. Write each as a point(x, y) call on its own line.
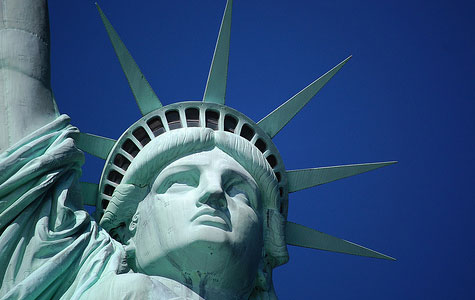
point(133, 223)
point(123, 233)
point(129, 244)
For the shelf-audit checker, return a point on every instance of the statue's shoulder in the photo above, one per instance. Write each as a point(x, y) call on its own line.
point(120, 286)
point(138, 286)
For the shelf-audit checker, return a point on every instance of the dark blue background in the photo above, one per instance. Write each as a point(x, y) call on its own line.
point(406, 95)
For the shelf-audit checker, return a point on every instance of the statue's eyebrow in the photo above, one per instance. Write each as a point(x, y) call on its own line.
point(173, 172)
point(182, 168)
point(247, 179)
point(242, 176)
point(191, 163)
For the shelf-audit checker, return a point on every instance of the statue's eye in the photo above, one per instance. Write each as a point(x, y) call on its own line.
point(180, 182)
point(235, 191)
point(241, 189)
point(238, 192)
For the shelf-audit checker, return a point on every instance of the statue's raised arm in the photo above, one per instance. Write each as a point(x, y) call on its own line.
point(26, 101)
point(50, 248)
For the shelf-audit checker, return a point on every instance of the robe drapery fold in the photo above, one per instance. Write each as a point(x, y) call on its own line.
point(50, 248)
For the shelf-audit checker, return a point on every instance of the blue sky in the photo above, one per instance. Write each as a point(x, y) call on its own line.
point(407, 94)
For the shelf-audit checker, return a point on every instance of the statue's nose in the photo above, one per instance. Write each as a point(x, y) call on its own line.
point(213, 193)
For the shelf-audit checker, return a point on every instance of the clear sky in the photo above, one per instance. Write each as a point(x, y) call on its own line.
point(407, 94)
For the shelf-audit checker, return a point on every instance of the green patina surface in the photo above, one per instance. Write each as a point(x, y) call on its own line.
point(187, 189)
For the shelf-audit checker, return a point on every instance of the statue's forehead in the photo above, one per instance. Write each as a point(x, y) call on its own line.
point(205, 158)
point(214, 160)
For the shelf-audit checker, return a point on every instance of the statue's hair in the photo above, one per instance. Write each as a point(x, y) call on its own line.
point(173, 145)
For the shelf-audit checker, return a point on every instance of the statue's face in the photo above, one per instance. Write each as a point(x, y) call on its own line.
point(202, 214)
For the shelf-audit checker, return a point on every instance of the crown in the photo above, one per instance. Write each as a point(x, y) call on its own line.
point(212, 113)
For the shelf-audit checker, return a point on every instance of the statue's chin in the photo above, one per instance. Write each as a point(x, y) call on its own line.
point(209, 255)
point(209, 250)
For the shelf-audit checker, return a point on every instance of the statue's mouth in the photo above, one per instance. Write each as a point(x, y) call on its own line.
point(212, 217)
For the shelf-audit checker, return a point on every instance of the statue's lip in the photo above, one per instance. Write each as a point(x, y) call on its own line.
point(213, 217)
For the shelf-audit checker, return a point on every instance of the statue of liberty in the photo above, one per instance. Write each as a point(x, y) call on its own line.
point(193, 198)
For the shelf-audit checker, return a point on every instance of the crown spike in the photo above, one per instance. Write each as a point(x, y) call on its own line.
point(89, 192)
point(215, 91)
point(301, 236)
point(96, 145)
point(277, 119)
point(144, 95)
point(307, 178)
